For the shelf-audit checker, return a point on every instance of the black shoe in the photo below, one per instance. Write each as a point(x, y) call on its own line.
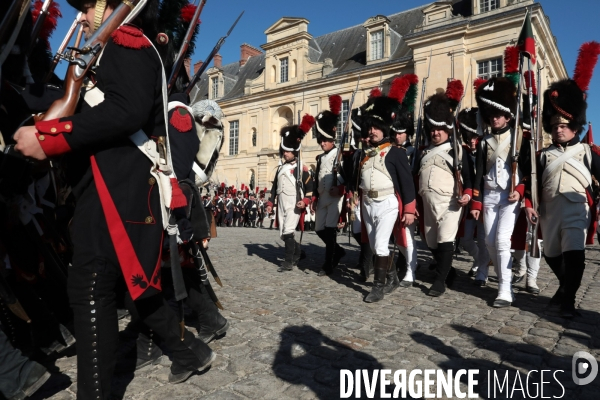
point(480, 282)
point(179, 377)
point(532, 290)
point(324, 272)
point(285, 266)
point(569, 312)
point(473, 271)
point(381, 266)
point(35, 380)
point(501, 303)
point(406, 284)
point(207, 334)
point(391, 281)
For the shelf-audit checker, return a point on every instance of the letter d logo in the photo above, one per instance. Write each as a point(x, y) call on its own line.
point(584, 364)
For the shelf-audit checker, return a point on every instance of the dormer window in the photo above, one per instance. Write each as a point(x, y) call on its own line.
point(215, 87)
point(488, 5)
point(284, 67)
point(377, 45)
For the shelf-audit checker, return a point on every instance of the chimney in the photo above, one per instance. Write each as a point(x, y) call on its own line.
point(187, 64)
point(247, 51)
point(197, 66)
point(217, 60)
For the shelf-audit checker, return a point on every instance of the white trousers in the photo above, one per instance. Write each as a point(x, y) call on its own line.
point(441, 219)
point(527, 264)
point(380, 217)
point(328, 211)
point(499, 219)
point(410, 253)
point(356, 224)
point(288, 215)
point(477, 250)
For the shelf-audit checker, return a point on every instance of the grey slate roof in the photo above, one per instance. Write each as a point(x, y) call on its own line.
point(346, 47)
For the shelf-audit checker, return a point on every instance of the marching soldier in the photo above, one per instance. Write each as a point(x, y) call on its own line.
point(565, 170)
point(117, 195)
point(496, 99)
point(442, 206)
point(467, 125)
point(387, 192)
point(329, 196)
point(292, 190)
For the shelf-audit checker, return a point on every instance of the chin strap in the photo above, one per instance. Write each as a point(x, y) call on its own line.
point(99, 13)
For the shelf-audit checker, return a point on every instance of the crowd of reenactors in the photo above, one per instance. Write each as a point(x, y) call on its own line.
point(479, 178)
point(102, 177)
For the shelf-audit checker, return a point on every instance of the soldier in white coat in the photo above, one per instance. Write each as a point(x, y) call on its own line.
point(292, 190)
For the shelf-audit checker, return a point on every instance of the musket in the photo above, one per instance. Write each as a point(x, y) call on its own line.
point(63, 46)
point(532, 246)
point(420, 117)
point(457, 160)
point(196, 254)
point(210, 57)
point(345, 134)
point(39, 22)
point(81, 64)
point(517, 133)
point(185, 45)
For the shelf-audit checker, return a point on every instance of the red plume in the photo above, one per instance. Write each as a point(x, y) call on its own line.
point(478, 82)
point(530, 81)
point(511, 60)
point(398, 88)
point(412, 79)
point(307, 123)
point(586, 61)
point(51, 20)
point(265, 190)
point(335, 104)
point(187, 13)
point(222, 185)
point(375, 92)
point(455, 90)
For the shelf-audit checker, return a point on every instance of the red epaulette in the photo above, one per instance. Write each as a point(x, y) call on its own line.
point(131, 37)
point(181, 119)
point(595, 149)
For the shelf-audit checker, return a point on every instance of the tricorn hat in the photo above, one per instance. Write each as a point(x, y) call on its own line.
point(467, 123)
point(326, 121)
point(565, 100)
point(291, 136)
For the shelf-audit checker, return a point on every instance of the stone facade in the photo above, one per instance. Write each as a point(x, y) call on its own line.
point(296, 72)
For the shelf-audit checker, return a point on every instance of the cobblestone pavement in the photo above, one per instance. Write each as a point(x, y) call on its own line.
point(291, 333)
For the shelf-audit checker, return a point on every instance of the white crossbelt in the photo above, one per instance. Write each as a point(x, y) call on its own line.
point(566, 157)
point(499, 150)
point(442, 151)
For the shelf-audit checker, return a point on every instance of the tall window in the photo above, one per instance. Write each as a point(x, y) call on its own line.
point(490, 68)
point(377, 45)
point(284, 69)
point(488, 5)
point(234, 135)
point(215, 87)
point(342, 121)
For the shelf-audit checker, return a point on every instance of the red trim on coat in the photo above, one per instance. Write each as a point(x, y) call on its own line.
point(51, 138)
point(468, 192)
point(476, 205)
point(520, 188)
point(528, 203)
point(411, 207)
point(589, 240)
point(128, 260)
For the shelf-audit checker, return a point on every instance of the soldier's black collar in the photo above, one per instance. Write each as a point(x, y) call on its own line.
point(384, 140)
point(501, 131)
point(571, 142)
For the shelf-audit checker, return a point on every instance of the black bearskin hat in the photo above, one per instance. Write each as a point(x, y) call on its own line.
point(291, 136)
point(467, 123)
point(497, 96)
point(438, 113)
point(380, 112)
point(327, 120)
point(564, 102)
point(403, 123)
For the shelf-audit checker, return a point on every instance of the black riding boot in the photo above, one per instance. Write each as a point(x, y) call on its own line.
point(271, 225)
point(443, 255)
point(297, 254)
point(391, 280)
point(558, 267)
point(365, 260)
point(290, 248)
point(575, 259)
point(326, 237)
point(381, 267)
point(338, 252)
point(401, 267)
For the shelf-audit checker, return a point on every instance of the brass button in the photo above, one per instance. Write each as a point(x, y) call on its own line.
point(149, 220)
point(68, 126)
point(53, 130)
point(151, 181)
point(42, 138)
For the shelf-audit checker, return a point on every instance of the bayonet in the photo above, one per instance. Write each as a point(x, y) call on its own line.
point(456, 144)
point(419, 134)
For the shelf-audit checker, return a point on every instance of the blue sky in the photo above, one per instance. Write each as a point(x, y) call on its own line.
point(573, 23)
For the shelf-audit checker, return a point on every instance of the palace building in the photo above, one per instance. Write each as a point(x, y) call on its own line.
point(294, 73)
